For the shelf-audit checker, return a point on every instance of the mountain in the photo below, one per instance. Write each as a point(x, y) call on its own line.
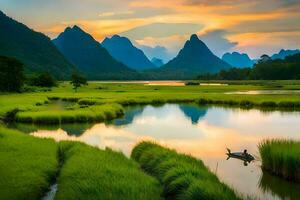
point(157, 62)
point(90, 57)
point(193, 59)
point(123, 50)
point(34, 49)
point(238, 60)
point(284, 53)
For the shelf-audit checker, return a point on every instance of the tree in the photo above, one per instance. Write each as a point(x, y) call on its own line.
point(77, 81)
point(43, 80)
point(11, 74)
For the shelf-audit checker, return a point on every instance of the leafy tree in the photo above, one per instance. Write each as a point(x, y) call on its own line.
point(11, 74)
point(265, 69)
point(43, 80)
point(77, 81)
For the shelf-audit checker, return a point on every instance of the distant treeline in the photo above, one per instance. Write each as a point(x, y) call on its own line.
point(265, 69)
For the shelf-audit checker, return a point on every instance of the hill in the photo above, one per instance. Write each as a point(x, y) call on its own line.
point(193, 59)
point(90, 57)
point(239, 60)
point(282, 54)
point(157, 62)
point(34, 49)
point(125, 52)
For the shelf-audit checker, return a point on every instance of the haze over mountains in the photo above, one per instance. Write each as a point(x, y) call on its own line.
point(125, 52)
point(34, 49)
point(282, 54)
point(90, 57)
point(239, 60)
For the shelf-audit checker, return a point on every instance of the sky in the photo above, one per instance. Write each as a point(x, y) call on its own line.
point(255, 27)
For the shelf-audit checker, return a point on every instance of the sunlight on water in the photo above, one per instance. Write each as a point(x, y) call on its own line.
point(202, 132)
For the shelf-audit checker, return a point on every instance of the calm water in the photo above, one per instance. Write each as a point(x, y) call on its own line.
point(200, 131)
point(257, 92)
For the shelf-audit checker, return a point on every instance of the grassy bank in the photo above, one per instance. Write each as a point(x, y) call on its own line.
point(89, 102)
point(182, 176)
point(27, 165)
point(282, 158)
point(87, 114)
point(90, 173)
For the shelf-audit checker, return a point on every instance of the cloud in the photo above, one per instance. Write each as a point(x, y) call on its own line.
point(157, 52)
point(159, 30)
point(217, 42)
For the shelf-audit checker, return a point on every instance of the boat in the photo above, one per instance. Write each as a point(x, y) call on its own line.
point(244, 156)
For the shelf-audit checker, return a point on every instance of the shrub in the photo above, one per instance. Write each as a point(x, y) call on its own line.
point(42, 80)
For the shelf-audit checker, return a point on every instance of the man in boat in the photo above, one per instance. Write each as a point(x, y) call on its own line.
point(245, 156)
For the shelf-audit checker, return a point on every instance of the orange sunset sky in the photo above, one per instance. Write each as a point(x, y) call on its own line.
point(254, 26)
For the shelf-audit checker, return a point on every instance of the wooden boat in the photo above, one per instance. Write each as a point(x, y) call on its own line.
point(244, 156)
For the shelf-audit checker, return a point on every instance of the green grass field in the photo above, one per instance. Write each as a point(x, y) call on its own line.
point(63, 105)
point(282, 158)
point(27, 165)
point(90, 173)
point(182, 176)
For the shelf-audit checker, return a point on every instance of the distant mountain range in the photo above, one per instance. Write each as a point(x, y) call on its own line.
point(157, 62)
point(34, 49)
point(284, 53)
point(239, 60)
point(159, 52)
point(75, 49)
point(193, 59)
point(90, 57)
point(125, 52)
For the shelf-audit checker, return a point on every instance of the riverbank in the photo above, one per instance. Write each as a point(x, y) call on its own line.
point(99, 101)
point(182, 176)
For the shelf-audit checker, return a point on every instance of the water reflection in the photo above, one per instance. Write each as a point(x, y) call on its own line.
point(200, 131)
point(274, 185)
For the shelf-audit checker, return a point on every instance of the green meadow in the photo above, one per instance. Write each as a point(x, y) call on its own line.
point(29, 166)
point(104, 101)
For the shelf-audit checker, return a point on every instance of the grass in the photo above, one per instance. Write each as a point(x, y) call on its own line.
point(27, 165)
point(90, 173)
point(87, 114)
point(282, 158)
point(182, 176)
point(39, 107)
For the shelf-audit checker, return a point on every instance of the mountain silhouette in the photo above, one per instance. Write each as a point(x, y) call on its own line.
point(34, 49)
point(90, 57)
point(238, 60)
point(282, 54)
point(193, 59)
point(125, 52)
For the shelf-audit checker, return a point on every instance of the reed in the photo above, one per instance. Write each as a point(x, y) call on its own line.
point(281, 157)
